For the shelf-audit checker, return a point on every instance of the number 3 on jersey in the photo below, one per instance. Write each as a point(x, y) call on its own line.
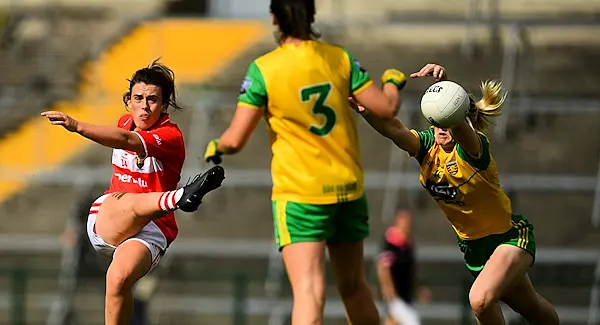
point(321, 91)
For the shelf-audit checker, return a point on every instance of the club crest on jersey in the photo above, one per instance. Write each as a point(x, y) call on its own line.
point(245, 85)
point(139, 163)
point(452, 168)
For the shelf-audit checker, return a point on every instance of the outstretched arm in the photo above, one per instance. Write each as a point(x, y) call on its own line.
point(108, 136)
point(467, 138)
point(392, 129)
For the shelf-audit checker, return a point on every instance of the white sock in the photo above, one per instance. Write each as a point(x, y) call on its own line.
point(168, 201)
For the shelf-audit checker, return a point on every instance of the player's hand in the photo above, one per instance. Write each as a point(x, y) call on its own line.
point(357, 107)
point(60, 118)
point(395, 77)
point(431, 70)
point(212, 153)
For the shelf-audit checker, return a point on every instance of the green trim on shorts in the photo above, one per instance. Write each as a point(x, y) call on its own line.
point(477, 252)
point(345, 222)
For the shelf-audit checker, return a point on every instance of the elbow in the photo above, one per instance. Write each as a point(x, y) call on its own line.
point(232, 142)
point(234, 149)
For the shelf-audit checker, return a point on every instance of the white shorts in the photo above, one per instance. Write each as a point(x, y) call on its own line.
point(150, 236)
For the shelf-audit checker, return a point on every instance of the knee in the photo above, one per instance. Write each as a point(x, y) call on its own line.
point(481, 301)
point(118, 280)
point(310, 287)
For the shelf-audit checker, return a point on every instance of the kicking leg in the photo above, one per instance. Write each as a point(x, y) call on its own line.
point(123, 215)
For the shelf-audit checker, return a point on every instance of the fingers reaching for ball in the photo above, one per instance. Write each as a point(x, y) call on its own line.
point(436, 71)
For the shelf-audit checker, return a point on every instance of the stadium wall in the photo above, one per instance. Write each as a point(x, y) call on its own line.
point(195, 49)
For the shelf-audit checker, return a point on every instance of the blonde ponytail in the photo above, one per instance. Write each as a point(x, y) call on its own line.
point(490, 105)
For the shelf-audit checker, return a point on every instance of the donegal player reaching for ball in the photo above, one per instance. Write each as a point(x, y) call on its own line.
point(302, 89)
point(133, 223)
point(460, 174)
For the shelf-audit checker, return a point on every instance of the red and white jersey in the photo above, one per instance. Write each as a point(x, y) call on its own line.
point(158, 171)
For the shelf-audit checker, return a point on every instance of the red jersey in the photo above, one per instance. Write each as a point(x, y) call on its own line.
point(158, 171)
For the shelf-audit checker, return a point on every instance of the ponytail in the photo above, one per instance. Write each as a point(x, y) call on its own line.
point(490, 105)
point(294, 19)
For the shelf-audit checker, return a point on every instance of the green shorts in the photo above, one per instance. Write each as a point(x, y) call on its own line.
point(345, 222)
point(478, 251)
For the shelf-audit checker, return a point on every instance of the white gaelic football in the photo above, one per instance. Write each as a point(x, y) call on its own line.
point(445, 104)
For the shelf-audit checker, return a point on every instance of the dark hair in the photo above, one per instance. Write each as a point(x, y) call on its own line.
point(158, 75)
point(295, 18)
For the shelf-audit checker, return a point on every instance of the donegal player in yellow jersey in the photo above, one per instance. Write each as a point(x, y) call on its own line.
point(301, 88)
point(460, 174)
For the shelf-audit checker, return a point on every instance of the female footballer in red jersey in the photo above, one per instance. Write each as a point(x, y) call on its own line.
point(134, 222)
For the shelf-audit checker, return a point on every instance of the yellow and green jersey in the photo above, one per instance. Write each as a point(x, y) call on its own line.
point(466, 189)
point(304, 92)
